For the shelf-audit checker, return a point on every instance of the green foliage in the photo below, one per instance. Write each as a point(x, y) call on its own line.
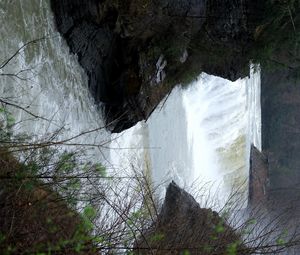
point(138, 215)
point(207, 248)
point(89, 212)
point(232, 249)
point(219, 228)
point(7, 117)
point(88, 215)
point(32, 168)
point(2, 237)
point(186, 252)
point(6, 123)
point(9, 250)
point(280, 242)
point(157, 237)
point(100, 169)
point(39, 175)
point(66, 162)
point(249, 226)
point(282, 238)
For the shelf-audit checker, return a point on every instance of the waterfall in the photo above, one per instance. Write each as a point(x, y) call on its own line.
point(223, 120)
point(170, 153)
point(130, 150)
point(201, 133)
point(253, 85)
point(50, 82)
point(159, 145)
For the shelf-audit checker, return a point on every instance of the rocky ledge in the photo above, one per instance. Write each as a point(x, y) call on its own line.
point(135, 52)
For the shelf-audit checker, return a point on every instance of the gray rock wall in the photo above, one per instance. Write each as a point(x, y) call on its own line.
point(281, 131)
point(259, 178)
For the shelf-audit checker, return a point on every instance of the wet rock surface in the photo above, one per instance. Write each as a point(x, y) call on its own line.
point(258, 178)
point(118, 44)
point(281, 133)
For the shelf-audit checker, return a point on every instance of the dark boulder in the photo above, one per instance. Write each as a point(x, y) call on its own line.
point(183, 226)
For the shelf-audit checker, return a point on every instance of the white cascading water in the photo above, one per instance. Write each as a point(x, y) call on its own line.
point(223, 121)
point(51, 83)
point(201, 136)
point(158, 146)
point(202, 132)
point(129, 150)
point(253, 86)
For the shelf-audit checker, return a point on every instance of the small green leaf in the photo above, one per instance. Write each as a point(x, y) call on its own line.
point(99, 239)
point(10, 120)
point(75, 184)
point(219, 228)
point(280, 242)
point(157, 237)
point(78, 247)
point(232, 249)
point(186, 252)
point(207, 248)
point(129, 222)
point(100, 169)
point(2, 237)
point(89, 212)
point(29, 185)
point(33, 167)
point(252, 222)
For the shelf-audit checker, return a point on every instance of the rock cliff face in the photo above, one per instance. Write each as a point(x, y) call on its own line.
point(280, 101)
point(183, 226)
point(135, 52)
point(258, 178)
point(281, 131)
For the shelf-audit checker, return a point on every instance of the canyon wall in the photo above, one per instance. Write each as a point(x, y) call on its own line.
point(135, 52)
